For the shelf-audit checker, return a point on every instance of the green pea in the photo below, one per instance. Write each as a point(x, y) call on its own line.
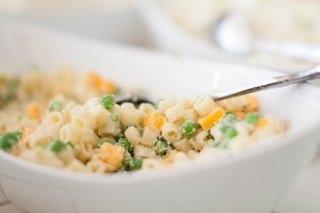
point(227, 121)
point(8, 140)
point(136, 163)
point(188, 128)
point(252, 117)
point(117, 137)
point(230, 132)
point(161, 147)
point(213, 144)
point(130, 163)
point(10, 93)
point(55, 106)
point(126, 162)
point(107, 101)
point(56, 146)
point(124, 142)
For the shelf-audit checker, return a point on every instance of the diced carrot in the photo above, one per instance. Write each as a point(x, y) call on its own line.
point(240, 114)
point(252, 103)
point(97, 82)
point(233, 104)
point(154, 120)
point(262, 122)
point(92, 79)
point(212, 118)
point(108, 87)
point(34, 111)
point(112, 155)
point(168, 158)
point(15, 152)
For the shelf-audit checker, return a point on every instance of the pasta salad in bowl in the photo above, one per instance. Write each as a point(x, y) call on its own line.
point(186, 153)
point(75, 124)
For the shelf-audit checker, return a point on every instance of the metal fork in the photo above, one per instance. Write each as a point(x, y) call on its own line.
point(270, 83)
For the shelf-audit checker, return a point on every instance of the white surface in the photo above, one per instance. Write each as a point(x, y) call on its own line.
point(10, 208)
point(3, 199)
point(58, 6)
point(262, 172)
point(304, 195)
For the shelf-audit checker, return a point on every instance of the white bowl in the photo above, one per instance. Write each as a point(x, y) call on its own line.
point(246, 182)
point(100, 22)
point(167, 35)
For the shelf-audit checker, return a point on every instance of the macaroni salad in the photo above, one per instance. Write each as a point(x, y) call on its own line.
point(72, 122)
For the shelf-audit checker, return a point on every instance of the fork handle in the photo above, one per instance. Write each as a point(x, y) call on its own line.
point(274, 82)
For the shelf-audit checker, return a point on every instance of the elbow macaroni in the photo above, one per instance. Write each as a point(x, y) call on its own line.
point(83, 133)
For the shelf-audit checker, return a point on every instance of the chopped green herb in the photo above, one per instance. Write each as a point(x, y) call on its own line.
point(125, 127)
point(252, 117)
point(114, 117)
point(213, 144)
point(230, 132)
point(56, 146)
point(9, 96)
point(34, 68)
point(157, 103)
point(69, 143)
point(188, 128)
point(107, 140)
point(107, 101)
point(231, 114)
point(224, 145)
point(126, 162)
point(118, 91)
point(210, 136)
point(45, 146)
point(141, 91)
point(8, 140)
point(10, 93)
point(161, 147)
point(55, 106)
point(124, 142)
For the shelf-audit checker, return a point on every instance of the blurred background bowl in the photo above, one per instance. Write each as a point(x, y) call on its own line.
point(171, 35)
